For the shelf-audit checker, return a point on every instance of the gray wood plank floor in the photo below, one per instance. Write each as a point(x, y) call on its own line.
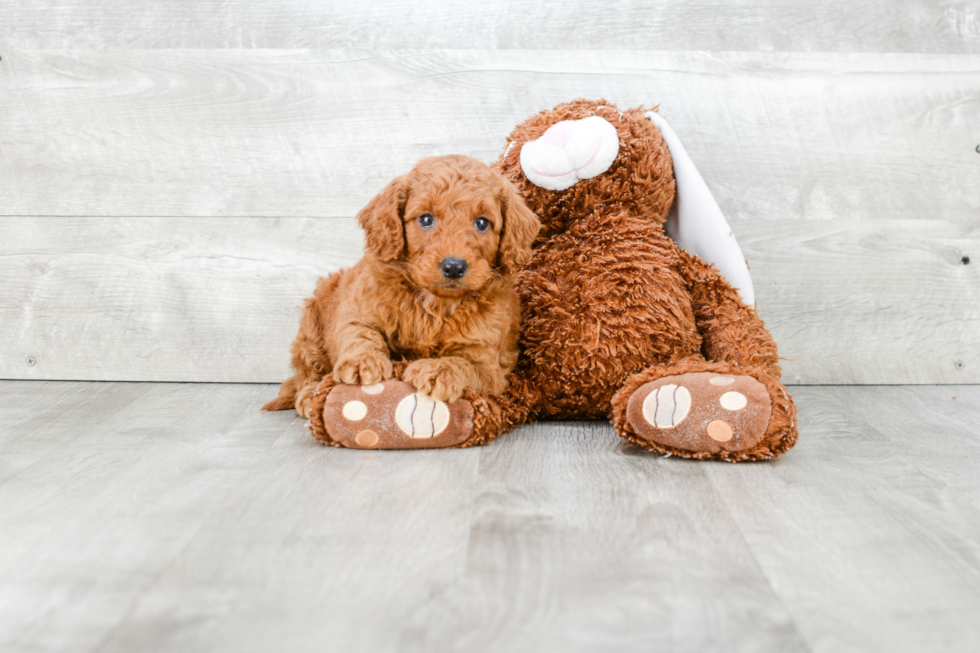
point(177, 517)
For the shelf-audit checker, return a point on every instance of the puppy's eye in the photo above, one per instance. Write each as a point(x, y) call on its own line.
point(426, 220)
point(482, 224)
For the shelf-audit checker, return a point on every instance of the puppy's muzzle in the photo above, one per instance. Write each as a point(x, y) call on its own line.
point(453, 268)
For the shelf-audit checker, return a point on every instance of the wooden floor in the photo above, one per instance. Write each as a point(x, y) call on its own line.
point(177, 517)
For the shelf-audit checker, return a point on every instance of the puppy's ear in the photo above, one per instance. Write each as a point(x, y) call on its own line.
point(519, 231)
point(382, 222)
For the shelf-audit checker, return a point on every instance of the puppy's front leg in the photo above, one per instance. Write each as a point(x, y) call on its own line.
point(362, 356)
point(446, 378)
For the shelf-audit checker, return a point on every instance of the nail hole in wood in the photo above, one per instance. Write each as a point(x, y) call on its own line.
point(965, 260)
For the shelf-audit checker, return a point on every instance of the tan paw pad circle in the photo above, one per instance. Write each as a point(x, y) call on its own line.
point(373, 389)
point(667, 406)
point(733, 401)
point(366, 438)
point(721, 380)
point(720, 431)
point(355, 410)
point(420, 416)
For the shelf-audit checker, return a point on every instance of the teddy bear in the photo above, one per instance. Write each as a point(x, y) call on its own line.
point(636, 306)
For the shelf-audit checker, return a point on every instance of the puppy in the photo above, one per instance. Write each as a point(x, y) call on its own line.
point(442, 244)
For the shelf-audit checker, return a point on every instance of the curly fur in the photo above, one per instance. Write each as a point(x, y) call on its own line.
point(396, 304)
point(639, 182)
point(609, 302)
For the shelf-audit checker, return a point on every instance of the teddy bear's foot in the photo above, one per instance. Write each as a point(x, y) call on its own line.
point(701, 412)
point(393, 415)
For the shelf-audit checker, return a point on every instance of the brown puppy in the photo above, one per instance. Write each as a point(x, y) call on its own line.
point(434, 287)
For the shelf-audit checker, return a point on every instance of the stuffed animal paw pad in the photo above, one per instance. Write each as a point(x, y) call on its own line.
point(701, 412)
point(394, 415)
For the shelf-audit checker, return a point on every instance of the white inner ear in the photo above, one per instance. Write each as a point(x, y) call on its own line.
point(696, 222)
point(569, 151)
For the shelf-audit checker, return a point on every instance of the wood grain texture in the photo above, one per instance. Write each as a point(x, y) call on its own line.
point(174, 299)
point(869, 529)
point(216, 299)
point(122, 478)
point(877, 302)
point(612, 552)
point(177, 517)
point(337, 550)
point(765, 25)
point(317, 133)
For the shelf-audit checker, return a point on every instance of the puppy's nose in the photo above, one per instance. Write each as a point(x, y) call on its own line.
point(453, 268)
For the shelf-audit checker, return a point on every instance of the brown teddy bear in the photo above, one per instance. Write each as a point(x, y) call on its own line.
point(618, 320)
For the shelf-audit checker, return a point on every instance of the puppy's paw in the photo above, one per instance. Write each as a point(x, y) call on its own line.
point(436, 378)
point(366, 369)
point(303, 398)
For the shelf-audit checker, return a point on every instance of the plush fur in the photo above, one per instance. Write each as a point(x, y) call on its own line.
point(397, 304)
point(643, 308)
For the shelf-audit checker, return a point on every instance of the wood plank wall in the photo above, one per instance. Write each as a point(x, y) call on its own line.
point(173, 178)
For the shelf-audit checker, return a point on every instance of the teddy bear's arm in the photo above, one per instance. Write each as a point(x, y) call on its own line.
point(731, 331)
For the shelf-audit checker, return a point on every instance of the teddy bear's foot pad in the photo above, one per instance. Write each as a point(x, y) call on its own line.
point(701, 412)
point(393, 415)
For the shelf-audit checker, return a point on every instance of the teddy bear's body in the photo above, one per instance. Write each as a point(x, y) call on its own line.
point(600, 301)
point(618, 321)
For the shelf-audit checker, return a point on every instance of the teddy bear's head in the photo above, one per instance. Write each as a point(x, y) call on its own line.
point(587, 154)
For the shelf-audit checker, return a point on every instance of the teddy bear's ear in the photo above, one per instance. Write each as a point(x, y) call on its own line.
point(696, 222)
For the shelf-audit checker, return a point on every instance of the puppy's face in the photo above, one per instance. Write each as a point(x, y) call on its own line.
point(453, 223)
point(452, 233)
